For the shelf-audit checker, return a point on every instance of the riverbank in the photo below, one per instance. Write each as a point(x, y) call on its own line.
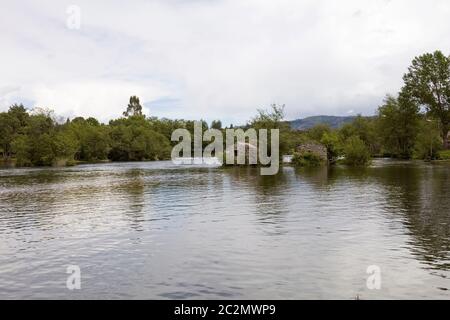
point(12, 163)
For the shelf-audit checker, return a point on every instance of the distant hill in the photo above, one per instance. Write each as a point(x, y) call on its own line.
point(309, 122)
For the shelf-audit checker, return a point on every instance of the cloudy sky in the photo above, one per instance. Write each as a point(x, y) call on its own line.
point(213, 59)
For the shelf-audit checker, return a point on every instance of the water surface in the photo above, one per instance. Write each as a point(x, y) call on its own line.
point(157, 231)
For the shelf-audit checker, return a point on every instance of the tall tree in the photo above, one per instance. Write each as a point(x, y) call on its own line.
point(12, 123)
point(216, 124)
point(398, 125)
point(428, 82)
point(134, 107)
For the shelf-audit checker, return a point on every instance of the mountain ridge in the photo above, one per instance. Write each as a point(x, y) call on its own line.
point(334, 122)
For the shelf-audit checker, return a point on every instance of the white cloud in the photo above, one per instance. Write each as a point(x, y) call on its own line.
point(215, 59)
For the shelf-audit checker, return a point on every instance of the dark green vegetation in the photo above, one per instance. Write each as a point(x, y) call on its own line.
point(413, 124)
point(307, 159)
point(36, 139)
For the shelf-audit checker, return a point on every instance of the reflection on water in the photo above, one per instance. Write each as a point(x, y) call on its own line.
point(155, 230)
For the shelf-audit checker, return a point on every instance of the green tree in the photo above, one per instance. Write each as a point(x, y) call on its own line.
point(365, 129)
point(134, 107)
point(428, 142)
point(12, 123)
point(132, 139)
point(216, 124)
point(356, 152)
point(398, 124)
point(93, 139)
point(316, 133)
point(7, 131)
point(269, 119)
point(65, 145)
point(274, 119)
point(21, 149)
point(428, 82)
point(307, 159)
point(333, 144)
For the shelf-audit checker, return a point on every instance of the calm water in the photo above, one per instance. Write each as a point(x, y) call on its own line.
point(153, 230)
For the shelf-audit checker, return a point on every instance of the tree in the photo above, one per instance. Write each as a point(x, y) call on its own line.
point(428, 82)
point(356, 152)
point(134, 107)
point(331, 141)
point(92, 137)
point(65, 145)
point(20, 147)
point(6, 133)
point(365, 129)
point(132, 139)
point(428, 143)
point(12, 123)
point(316, 133)
point(216, 124)
point(271, 119)
point(398, 125)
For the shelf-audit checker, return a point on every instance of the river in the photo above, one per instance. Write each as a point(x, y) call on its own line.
point(154, 230)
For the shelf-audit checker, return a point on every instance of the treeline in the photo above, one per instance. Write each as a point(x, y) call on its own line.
point(36, 138)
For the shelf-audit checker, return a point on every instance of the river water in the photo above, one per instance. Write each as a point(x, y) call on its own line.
point(153, 230)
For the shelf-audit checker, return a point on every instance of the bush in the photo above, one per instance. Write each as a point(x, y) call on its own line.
point(307, 159)
point(356, 152)
point(444, 155)
point(333, 145)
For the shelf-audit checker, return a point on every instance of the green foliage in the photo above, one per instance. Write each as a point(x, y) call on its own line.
point(12, 124)
point(290, 140)
point(444, 155)
point(398, 124)
point(316, 133)
point(216, 124)
point(364, 128)
point(428, 141)
point(356, 152)
point(333, 144)
point(133, 139)
point(428, 82)
point(20, 147)
point(271, 119)
point(306, 159)
point(93, 139)
point(65, 145)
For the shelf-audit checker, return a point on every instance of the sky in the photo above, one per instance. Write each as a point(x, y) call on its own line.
point(216, 59)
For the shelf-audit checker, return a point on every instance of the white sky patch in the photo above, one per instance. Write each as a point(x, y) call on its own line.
point(214, 59)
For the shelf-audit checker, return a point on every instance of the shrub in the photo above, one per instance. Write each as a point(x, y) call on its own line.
point(356, 152)
point(333, 145)
point(307, 159)
point(444, 155)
